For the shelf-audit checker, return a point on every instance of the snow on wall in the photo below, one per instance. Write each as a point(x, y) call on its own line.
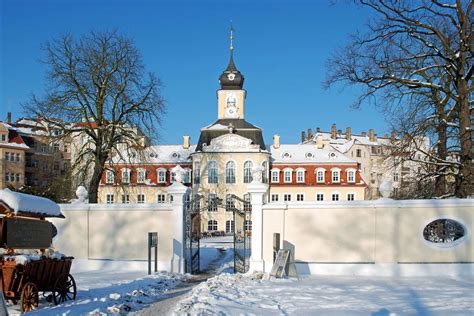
point(25, 203)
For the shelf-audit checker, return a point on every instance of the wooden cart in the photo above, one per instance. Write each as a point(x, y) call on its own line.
point(22, 277)
point(23, 282)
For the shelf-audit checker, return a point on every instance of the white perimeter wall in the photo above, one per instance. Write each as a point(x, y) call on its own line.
point(369, 237)
point(115, 231)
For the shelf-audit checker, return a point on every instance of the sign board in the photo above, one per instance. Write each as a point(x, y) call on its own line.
point(153, 239)
point(281, 261)
point(22, 233)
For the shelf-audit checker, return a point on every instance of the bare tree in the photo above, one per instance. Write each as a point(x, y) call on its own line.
point(99, 97)
point(418, 51)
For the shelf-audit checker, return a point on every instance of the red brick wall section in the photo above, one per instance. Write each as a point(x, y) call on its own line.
point(310, 175)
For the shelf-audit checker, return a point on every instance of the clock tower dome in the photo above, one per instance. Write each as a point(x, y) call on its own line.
point(231, 95)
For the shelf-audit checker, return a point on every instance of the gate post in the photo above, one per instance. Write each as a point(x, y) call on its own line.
point(177, 190)
point(257, 189)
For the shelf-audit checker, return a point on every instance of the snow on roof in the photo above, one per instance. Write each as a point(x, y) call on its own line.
point(306, 153)
point(26, 204)
point(216, 126)
point(161, 154)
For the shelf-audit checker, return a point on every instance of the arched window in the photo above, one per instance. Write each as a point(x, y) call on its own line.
point(229, 203)
point(212, 225)
point(320, 175)
point(109, 177)
point(187, 175)
point(248, 165)
point(229, 226)
point(197, 172)
point(275, 175)
point(265, 172)
point(161, 175)
point(230, 172)
point(300, 175)
point(141, 175)
point(350, 175)
point(287, 175)
point(212, 175)
point(125, 175)
point(335, 175)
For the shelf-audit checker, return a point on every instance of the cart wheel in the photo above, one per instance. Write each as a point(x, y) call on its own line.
point(64, 289)
point(29, 297)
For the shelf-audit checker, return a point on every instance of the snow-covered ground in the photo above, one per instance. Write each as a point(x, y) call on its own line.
point(230, 294)
point(119, 288)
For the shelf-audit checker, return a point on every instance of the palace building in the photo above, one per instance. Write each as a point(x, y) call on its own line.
point(224, 160)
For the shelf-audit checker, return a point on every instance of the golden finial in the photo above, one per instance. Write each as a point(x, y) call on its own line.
point(231, 36)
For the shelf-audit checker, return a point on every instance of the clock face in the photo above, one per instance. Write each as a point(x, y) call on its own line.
point(231, 111)
point(231, 105)
point(231, 76)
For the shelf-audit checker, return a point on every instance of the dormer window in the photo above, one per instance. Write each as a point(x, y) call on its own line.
point(161, 175)
point(109, 177)
point(351, 175)
point(175, 155)
point(286, 155)
point(125, 175)
point(141, 176)
point(287, 175)
point(336, 175)
point(320, 175)
point(275, 175)
point(309, 155)
point(300, 173)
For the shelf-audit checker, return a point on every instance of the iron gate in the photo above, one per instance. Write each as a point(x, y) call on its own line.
point(241, 210)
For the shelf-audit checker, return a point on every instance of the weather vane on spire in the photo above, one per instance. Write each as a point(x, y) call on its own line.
point(231, 36)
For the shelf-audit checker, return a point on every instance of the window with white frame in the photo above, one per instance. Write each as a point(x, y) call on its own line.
point(17, 157)
point(197, 172)
point(335, 196)
point(287, 175)
point(300, 175)
point(287, 197)
point(350, 196)
point(125, 175)
point(229, 226)
point(229, 202)
point(335, 175)
point(109, 177)
point(248, 165)
point(109, 198)
point(161, 198)
point(300, 197)
point(141, 198)
point(351, 175)
point(212, 225)
point(125, 198)
point(172, 176)
point(248, 225)
point(141, 175)
point(212, 175)
point(212, 202)
point(230, 172)
point(274, 197)
point(319, 196)
point(275, 175)
point(265, 172)
point(161, 175)
point(320, 175)
point(247, 202)
point(396, 177)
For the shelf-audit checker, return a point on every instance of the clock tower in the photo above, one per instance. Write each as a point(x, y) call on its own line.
point(231, 96)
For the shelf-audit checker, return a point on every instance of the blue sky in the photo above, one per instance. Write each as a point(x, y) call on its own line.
point(281, 47)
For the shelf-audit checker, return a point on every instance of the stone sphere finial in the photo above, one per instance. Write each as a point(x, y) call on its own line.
point(257, 174)
point(179, 173)
point(82, 195)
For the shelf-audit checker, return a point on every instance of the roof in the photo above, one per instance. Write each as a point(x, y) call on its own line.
point(236, 126)
point(159, 154)
point(342, 144)
point(28, 205)
point(306, 153)
point(14, 138)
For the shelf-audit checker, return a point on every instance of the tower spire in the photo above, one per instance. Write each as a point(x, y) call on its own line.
point(231, 38)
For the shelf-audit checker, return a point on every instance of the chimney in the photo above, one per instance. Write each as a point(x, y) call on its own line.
point(186, 141)
point(310, 133)
point(319, 141)
point(333, 131)
point(364, 134)
point(303, 136)
point(348, 133)
point(318, 130)
point(9, 117)
point(339, 132)
point(276, 141)
point(393, 137)
point(371, 135)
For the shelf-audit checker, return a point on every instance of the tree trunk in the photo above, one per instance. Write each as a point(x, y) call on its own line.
point(463, 186)
point(440, 182)
point(94, 183)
